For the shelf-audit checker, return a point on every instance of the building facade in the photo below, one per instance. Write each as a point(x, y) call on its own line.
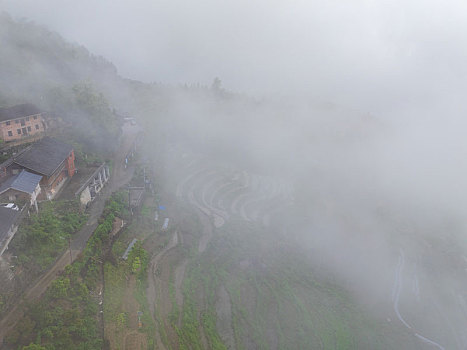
point(21, 121)
point(21, 189)
point(50, 158)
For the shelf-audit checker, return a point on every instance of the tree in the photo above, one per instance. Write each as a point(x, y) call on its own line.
point(59, 288)
point(216, 84)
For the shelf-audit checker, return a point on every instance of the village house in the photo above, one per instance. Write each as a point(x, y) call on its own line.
point(21, 121)
point(52, 159)
point(22, 188)
point(8, 226)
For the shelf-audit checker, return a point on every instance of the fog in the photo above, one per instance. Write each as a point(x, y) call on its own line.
point(370, 55)
point(358, 106)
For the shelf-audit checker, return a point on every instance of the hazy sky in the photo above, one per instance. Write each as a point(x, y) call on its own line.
point(376, 56)
point(403, 60)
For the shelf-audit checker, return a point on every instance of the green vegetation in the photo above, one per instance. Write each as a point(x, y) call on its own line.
point(189, 333)
point(83, 154)
point(277, 290)
point(116, 277)
point(42, 237)
point(33, 347)
point(97, 246)
point(275, 298)
point(81, 107)
point(67, 316)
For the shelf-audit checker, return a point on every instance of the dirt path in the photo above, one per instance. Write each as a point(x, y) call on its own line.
point(152, 272)
point(224, 317)
point(135, 341)
point(120, 176)
point(151, 291)
point(179, 276)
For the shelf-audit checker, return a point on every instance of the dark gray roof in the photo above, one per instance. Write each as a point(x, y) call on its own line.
point(6, 163)
point(7, 218)
point(24, 182)
point(18, 111)
point(44, 156)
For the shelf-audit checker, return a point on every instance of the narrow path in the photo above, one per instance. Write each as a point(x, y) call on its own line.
point(396, 296)
point(179, 277)
point(151, 291)
point(221, 192)
point(152, 272)
point(398, 288)
point(119, 177)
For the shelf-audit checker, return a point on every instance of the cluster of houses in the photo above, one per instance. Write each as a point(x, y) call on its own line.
point(36, 173)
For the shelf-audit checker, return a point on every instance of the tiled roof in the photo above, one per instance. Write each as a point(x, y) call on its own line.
point(7, 219)
point(24, 182)
point(45, 156)
point(18, 111)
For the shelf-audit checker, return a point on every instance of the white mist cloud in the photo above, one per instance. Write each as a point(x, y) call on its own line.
point(370, 55)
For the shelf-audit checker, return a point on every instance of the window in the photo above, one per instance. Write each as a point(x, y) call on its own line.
point(15, 171)
point(37, 126)
point(35, 117)
point(23, 123)
point(8, 123)
point(24, 131)
point(17, 121)
point(29, 128)
point(18, 131)
point(27, 119)
point(10, 133)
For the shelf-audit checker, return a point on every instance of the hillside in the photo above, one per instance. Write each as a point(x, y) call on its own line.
point(283, 233)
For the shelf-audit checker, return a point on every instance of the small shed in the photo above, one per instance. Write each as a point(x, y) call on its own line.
point(23, 187)
point(128, 250)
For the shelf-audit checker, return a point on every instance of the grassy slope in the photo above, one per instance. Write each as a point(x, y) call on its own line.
point(67, 316)
point(276, 299)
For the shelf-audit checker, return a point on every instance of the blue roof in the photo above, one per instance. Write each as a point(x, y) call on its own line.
point(24, 182)
point(128, 250)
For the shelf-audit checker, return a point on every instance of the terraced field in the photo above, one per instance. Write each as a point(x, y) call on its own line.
point(230, 278)
point(229, 275)
point(222, 192)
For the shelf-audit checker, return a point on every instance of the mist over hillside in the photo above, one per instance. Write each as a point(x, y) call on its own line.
point(374, 205)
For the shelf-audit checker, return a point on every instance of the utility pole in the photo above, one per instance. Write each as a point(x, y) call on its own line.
point(69, 248)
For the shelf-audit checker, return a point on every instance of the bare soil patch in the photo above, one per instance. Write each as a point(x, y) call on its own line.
point(135, 341)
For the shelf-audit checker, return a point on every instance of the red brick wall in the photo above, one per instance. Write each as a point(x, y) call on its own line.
point(57, 180)
point(15, 124)
point(50, 183)
point(70, 165)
